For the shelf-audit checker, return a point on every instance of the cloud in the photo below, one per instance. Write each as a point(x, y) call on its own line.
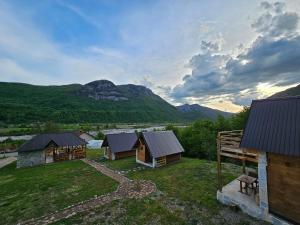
point(272, 58)
point(275, 22)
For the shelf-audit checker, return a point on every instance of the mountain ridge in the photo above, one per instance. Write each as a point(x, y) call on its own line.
point(193, 111)
point(293, 91)
point(97, 101)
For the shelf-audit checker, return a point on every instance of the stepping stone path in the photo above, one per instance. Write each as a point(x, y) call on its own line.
point(126, 189)
point(106, 171)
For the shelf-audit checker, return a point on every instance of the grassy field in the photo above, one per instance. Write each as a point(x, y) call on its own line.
point(187, 195)
point(32, 192)
point(122, 165)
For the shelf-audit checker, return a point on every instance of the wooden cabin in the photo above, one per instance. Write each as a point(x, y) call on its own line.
point(47, 148)
point(158, 148)
point(273, 129)
point(121, 145)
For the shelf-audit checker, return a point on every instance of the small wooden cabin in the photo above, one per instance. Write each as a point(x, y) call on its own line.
point(158, 148)
point(273, 129)
point(47, 148)
point(121, 145)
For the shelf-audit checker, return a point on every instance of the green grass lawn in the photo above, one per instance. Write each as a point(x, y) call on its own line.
point(32, 192)
point(122, 165)
point(187, 195)
point(94, 154)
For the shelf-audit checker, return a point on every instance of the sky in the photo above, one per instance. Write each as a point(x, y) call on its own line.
point(216, 53)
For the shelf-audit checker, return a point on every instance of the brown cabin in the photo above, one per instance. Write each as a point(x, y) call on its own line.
point(158, 148)
point(273, 129)
point(120, 145)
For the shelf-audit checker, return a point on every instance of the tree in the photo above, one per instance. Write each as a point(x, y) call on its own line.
point(51, 127)
point(36, 128)
point(100, 136)
point(199, 139)
point(239, 120)
point(222, 124)
point(174, 129)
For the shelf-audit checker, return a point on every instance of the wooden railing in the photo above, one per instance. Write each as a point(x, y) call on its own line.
point(228, 145)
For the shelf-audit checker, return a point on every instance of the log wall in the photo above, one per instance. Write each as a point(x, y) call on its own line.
point(173, 158)
point(121, 155)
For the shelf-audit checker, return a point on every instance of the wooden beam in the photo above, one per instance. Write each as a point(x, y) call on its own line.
point(219, 169)
point(239, 157)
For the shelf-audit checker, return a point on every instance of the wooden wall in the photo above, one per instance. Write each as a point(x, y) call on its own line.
point(121, 155)
point(173, 158)
point(143, 153)
point(284, 186)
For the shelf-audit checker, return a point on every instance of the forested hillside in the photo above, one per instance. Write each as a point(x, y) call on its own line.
point(98, 101)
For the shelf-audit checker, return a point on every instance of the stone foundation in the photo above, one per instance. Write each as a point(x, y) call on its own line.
point(33, 158)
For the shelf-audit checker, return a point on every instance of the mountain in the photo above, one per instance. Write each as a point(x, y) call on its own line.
point(195, 111)
point(98, 101)
point(294, 91)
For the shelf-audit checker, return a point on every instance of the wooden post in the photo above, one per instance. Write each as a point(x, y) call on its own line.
point(244, 166)
point(219, 169)
point(72, 152)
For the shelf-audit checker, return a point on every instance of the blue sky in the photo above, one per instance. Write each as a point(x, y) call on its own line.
point(217, 53)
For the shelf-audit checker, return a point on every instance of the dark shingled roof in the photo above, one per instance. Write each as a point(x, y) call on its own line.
point(41, 141)
point(274, 126)
point(162, 143)
point(120, 142)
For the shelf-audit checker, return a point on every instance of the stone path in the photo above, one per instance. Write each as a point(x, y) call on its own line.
point(106, 171)
point(6, 161)
point(126, 189)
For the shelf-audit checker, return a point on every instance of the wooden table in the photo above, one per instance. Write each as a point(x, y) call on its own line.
point(248, 181)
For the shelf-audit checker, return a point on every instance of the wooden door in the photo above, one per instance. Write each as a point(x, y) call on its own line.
point(284, 186)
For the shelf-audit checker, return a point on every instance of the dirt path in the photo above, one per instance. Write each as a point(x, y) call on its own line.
point(6, 161)
point(126, 189)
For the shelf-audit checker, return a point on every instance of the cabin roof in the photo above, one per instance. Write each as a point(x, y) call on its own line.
point(274, 126)
point(41, 141)
point(120, 142)
point(162, 143)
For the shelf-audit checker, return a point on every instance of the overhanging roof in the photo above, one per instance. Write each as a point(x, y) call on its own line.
point(120, 142)
point(162, 143)
point(274, 126)
point(41, 141)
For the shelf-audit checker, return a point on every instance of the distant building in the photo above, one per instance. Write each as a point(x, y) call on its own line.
point(117, 146)
point(47, 148)
point(94, 144)
point(85, 136)
point(158, 148)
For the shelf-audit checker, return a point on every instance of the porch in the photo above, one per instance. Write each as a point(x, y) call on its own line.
point(56, 154)
point(242, 192)
point(248, 203)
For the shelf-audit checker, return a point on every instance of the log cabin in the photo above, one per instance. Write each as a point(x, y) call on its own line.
point(273, 129)
point(48, 148)
point(121, 145)
point(271, 139)
point(158, 148)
